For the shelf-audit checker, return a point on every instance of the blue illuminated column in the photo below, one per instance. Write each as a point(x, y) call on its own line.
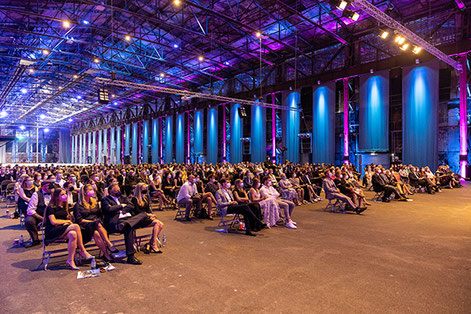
point(291, 125)
point(134, 153)
point(127, 140)
point(323, 128)
point(180, 144)
point(169, 140)
point(198, 143)
point(212, 156)
point(106, 152)
point(86, 144)
point(145, 141)
point(100, 146)
point(420, 115)
point(112, 150)
point(155, 141)
point(81, 149)
point(374, 112)
point(119, 144)
point(92, 146)
point(236, 134)
point(258, 136)
point(73, 150)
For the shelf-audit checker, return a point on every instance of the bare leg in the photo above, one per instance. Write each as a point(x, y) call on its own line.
point(83, 251)
point(157, 227)
point(104, 236)
point(71, 247)
point(101, 244)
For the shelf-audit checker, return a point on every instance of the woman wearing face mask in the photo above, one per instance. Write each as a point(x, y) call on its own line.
point(155, 190)
point(25, 192)
point(269, 191)
point(58, 225)
point(296, 184)
point(241, 197)
point(88, 215)
point(287, 190)
point(141, 204)
point(168, 185)
point(271, 211)
point(37, 180)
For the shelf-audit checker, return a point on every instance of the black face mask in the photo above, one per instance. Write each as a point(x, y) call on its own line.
point(144, 192)
point(117, 194)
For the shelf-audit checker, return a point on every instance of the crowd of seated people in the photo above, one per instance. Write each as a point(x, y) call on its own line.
point(80, 203)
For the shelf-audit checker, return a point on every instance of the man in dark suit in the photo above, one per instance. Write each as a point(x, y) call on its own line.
point(416, 181)
point(380, 185)
point(119, 218)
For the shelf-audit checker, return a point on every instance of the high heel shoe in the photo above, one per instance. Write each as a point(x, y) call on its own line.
point(90, 257)
point(113, 249)
point(146, 248)
point(71, 267)
point(152, 250)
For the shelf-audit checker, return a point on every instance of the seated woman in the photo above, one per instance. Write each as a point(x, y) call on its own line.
point(88, 216)
point(25, 192)
point(207, 197)
point(155, 190)
point(396, 179)
point(58, 225)
point(271, 210)
point(241, 198)
point(141, 204)
point(287, 190)
point(270, 192)
point(168, 185)
point(296, 184)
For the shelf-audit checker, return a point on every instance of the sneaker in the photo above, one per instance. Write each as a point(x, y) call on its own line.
point(290, 225)
point(294, 223)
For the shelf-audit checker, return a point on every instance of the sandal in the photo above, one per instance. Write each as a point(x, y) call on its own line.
point(152, 250)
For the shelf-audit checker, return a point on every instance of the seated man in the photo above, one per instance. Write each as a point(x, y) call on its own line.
point(119, 218)
point(35, 212)
point(381, 183)
point(332, 192)
point(416, 181)
point(188, 195)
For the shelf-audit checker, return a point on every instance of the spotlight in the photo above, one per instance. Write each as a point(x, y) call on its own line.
point(60, 87)
point(383, 34)
point(85, 22)
point(162, 74)
point(79, 97)
point(127, 38)
point(46, 130)
point(399, 40)
point(3, 114)
point(258, 34)
point(417, 61)
point(201, 58)
point(24, 90)
point(226, 63)
point(319, 82)
point(115, 103)
point(66, 24)
point(372, 71)
point(96, 60)
point(22, 127)
point(31, 71)
point(416, 49)
point(175, 46)
point(351, 15)
point(339, 4)
point(177, 2)
point(242, 112)
point(405, 47)
point(113, 96)
point(42, 116)
point(70, 120)
point(75, 76)
point(45, 52)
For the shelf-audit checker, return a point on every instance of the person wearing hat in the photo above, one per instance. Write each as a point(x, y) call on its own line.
point(35, 212)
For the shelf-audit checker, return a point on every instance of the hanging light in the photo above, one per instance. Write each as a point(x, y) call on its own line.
point(339, 4)
point(399, 40)
point(416, 49)
point(405, 47)
point(258, 34)
point(31, 71)
point(96, 60)
point(127, 38)
point(22, 127)
point(201, 58)
point(354, 16)
point(383, 34)
point(3, 114)
point(177, 2)
point(45, 52)
point(66, 24)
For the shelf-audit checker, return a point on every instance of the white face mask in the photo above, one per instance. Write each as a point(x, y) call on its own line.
point(241, 185)
point(294, 175)
point(213, 180)
point(228, 185)
point(258, 185)
point(269, 183)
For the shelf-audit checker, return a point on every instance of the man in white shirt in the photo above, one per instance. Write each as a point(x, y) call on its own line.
point(35, 212)
point(188, 195)
point(268, 191)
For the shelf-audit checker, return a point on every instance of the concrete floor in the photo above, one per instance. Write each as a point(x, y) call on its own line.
point(396, 258)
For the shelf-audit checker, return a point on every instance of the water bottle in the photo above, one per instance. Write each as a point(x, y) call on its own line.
point(164, 240)
point(241, 225)
point(8, 213)
point(93, 265)
point(22, 220)
point(20, 243)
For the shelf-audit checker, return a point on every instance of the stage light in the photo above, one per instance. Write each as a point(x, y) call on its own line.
point(66, 24)
point(258, 34)
point(351, 15)
point(416, 49)
point(79, 97)
point(96, 60)
point(201, 58)
point(75, 76)
point(162, 74)
point(115, 103)
point(24, 90)
point(22, 127)
point(70, 120)
point(175, 46)
point(86, 22)
point(127, 38)
point(372, 71)
point(177, 2)
point(383, 34)
point(103, 96)
point(45, 52)
point(3, 114)
point(339, 4)
point(60, 87)
point(226, 63)
point(405, 47)
point(31, 71)
point(399, 40)
point(42, 116)
point(417, 61)
point(46, 130)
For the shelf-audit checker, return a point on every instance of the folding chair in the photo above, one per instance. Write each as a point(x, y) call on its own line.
point(228, 222)
point(378, 196)
point(10, 195)
point(181, 212)
point(335, 206)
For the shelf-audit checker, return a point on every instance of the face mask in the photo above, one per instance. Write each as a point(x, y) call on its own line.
point(63, 198)
point(74, 179)
point(269, 183)
point(213, 180)
point(228, 185)
point(241, 185)
point(197, 180)
point(294, 175)
point(91, 193)
point(117, 194)
point(258, 185)
point(144, 192)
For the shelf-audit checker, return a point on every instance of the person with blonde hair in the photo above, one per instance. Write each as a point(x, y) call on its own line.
point(88, 215)
point(141, 204)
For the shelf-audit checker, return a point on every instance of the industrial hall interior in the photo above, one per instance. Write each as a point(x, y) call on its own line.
point(235, 156)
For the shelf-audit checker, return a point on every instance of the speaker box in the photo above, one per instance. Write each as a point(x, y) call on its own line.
point(468, 173)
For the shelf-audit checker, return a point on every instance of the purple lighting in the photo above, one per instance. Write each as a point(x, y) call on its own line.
point(273, 129)
point(224, 133)
point(463, 116)
point(345, 120)
point(460, 4)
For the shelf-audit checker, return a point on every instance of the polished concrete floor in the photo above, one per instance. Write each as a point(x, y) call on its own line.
point(410, 257)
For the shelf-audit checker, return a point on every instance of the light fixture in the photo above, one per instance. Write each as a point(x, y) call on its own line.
point(31, 71)
point(42, 116)
point(162, 74)
point(372, 71)
point(175, 46)
point(399, 40)
point(201, 58)
point(417, 61)
point(45, 52)
point(3, 114)
point(70, 120)
point(383, 33)
point(66, 24)
point(416, 49)
point(177, 2)
point(113, 95)
point(127, 38)
point(79, 97)
point(24, 90)
point(22, 127)
point(75, 76)
point(339, 4)
point(46, 130)
point(115, 103)
point(60, 87)
point(226, 63)
point(405, 47)
point(85, 22)
point(96, 60)
point(351, 15)
point(319, 82)
point(258, 34)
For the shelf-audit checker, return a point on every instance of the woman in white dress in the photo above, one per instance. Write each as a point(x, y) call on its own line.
point(269, 206)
